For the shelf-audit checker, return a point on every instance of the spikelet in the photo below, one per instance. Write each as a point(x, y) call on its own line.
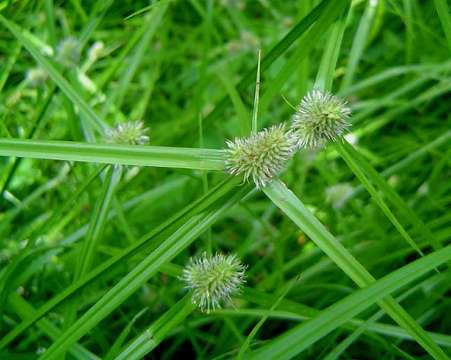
point(321, 117)
point(213, 279)
point(261, 156)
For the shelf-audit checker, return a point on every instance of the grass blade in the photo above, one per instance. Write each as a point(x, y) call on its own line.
point(301, 216)
point(215, 193)
point(184, 158)
point(353, 160)
point(165, 252)
point(56, 76)
point(155, 333)
point(299, 338)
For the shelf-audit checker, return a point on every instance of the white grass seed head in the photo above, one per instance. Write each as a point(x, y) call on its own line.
point(321, 117)
point(69, 51)
point(36, 77)
point(261, 156)
point(213, 279)
point(130, 133)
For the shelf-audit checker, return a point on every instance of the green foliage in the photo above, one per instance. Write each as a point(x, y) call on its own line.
point(117, 165)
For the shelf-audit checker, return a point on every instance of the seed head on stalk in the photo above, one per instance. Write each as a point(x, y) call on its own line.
point(213, 279)
point(321, 117)
point(261, 156)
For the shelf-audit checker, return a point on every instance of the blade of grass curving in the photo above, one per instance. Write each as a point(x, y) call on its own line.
point(152, 336)
point(325, 74)
point(389, 192)
point(91, 241)
point(99, 11)
point(118, 343)
point(343, 345)
point(300, 28)
point(237, 102)
point(305, 45)
point(151, 25)
point(9, 66)
point(300, 337)
point(290, 310)
point(214, 194)
point(354, 162)
point(286, 289)
point(445, 18)
point(359, 42)
point(97, 223)
point(50, 18)
point(25, 310)
point(30, 135)
point(186, 158)
point(165, 252)
point(56, 76)
point(283, 198)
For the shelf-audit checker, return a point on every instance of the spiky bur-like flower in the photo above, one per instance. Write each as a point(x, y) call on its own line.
point(131, 133)
point(213, 279)
point(69, 52)
point(321, 117)
point(261, 156)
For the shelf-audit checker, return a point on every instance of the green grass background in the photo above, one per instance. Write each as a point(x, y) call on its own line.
point(94, 252)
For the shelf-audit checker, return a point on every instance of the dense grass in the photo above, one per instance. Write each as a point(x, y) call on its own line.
point(347, 253)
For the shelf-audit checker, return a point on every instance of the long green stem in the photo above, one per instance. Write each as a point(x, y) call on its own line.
point(159, 156)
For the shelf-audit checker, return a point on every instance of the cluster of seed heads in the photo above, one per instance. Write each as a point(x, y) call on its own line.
point(213, 279)
point(130, 133)
point(261, 156)
point(321, 117)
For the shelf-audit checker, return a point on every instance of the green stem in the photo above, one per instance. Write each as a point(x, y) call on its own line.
point(158, 156)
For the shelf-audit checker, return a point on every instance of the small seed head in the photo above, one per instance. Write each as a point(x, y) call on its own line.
point(95, 51)
point(213, 279)
point(321, 117)
point(261, 156)
point(69, 52)
point(131, 133)
point(36, 77)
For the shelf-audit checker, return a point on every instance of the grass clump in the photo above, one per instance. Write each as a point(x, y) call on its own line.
point(342, 221)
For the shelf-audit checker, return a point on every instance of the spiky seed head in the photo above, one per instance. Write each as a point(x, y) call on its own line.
point(321, 117)
point(213, 279)
point(131, 133)
point(261, 156)
point(36, 77)
point(69, 52)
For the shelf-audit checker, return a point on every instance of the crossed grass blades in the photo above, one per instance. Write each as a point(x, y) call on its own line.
point(259, 157)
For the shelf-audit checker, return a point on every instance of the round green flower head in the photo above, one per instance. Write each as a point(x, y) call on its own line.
point(321, 117)
point(261, 156)
point(69, 52)
point(130, 133)
point(213, 279)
